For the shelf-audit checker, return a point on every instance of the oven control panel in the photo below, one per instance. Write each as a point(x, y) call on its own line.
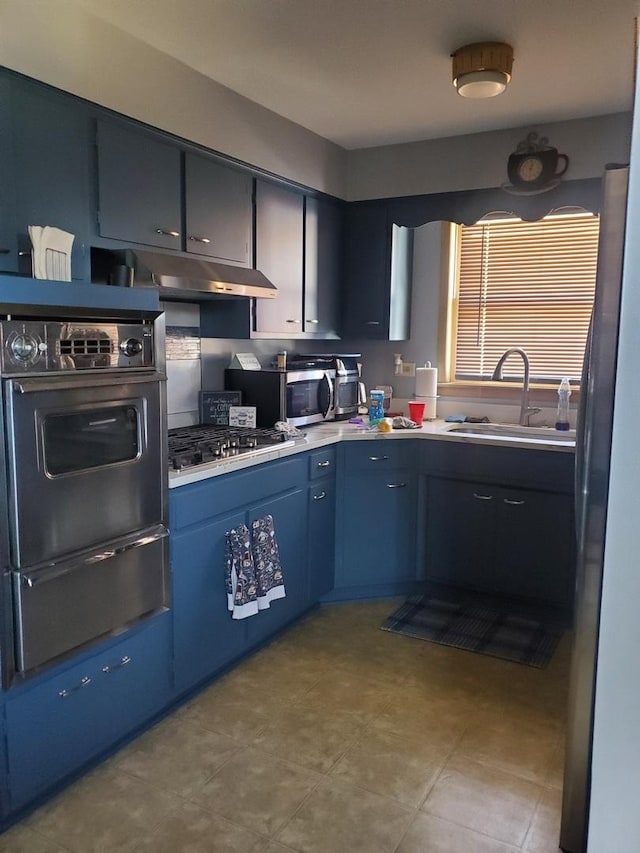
point(28, 346)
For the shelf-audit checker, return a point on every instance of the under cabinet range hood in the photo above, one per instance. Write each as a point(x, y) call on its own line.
point(193, 278)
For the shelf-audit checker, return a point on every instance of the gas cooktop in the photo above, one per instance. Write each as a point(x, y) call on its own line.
point(199, 445)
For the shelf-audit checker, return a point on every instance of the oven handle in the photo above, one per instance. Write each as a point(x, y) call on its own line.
point(35, 578)
point(31, 386)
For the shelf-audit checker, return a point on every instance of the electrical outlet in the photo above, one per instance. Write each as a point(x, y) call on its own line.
point(408, 368)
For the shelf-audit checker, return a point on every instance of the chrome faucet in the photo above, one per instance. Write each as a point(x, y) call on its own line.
point(525, 409)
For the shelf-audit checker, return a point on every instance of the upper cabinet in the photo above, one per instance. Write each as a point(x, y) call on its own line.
point(44, 172)
point(322, 257)
point(298, 247)
point(218, 211)
point(279, 255)
point(139, 187)
point(377, 276)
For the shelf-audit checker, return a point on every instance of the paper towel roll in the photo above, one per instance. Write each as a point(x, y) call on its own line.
point(426, 381)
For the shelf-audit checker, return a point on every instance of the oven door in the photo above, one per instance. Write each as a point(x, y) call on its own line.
point(85, 462)
point(310, 396)
point(60, 607)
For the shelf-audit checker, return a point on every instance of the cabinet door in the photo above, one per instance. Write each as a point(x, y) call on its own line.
point(379, 533)
point(535, 544)
point(52, 160)
point(367, 272)
point(205, 636)
point(279, 235)
point(139, 187)
point(56, 726)
point(219, 211)
point(460, 533)
point(8, 189)
point(290, 523)
point(322, 264)
point(322, 519)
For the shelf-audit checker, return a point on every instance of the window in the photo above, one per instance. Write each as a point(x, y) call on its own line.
point(524, 284)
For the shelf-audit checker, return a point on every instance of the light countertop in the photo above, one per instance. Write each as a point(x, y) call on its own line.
point(321, 435)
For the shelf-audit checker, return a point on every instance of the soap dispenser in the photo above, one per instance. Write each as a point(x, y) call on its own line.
point(562, 416)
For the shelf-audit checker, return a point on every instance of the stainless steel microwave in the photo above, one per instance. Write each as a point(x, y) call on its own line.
point(299, 397)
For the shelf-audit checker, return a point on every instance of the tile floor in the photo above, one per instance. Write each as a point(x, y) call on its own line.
point(336, 737)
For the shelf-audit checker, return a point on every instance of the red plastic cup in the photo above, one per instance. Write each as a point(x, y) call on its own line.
point(416, 411)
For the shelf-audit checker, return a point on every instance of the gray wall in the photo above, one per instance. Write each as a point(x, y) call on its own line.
point(479, 160)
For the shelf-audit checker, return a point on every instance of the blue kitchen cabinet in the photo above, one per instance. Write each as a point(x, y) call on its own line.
point(206, 638)
point(219, 210)
point(323, 226)
point(289, 512)
point(376, 518)
point(377, 275)
point(57, 724)
point(279, 255)
point(322, 511)
point(8, 233)
point(51, 158)
point(139, 186)
point(500, 520)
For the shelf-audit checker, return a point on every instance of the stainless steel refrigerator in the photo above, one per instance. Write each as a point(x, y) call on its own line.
point(593, 451)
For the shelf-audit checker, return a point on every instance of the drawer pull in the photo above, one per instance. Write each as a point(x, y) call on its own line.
point(199, 239)
point(111, 667)
point(324, 464)
point(84, 682)
point(482, 497)
point(378, 458)
point(167, 233)
point(320, 496)
point(396, 485)
point(513, 503)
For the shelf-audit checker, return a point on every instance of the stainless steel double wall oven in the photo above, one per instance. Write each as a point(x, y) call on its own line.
point(83, 484)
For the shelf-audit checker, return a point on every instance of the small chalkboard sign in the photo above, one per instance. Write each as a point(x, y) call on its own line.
point(215, 405)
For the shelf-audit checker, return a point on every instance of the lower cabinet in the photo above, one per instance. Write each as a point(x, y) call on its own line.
point(322, 511)
point(56, 726)
point(206, 637)
point(377, 546)
point(512, 541)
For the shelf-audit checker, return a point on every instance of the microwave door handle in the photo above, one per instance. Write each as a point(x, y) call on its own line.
point(329, 395)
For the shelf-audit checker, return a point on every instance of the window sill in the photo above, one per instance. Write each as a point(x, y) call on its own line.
point(504, 392)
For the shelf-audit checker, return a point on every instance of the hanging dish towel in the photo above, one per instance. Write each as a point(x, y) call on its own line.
point(240, 576)
point(266, 560)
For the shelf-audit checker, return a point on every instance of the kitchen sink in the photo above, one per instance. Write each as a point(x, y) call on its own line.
point(515, 431)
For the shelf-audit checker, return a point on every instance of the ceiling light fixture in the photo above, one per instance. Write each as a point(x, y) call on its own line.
point(482, 70)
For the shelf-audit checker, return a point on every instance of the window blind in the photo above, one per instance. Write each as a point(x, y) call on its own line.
point(530, 285)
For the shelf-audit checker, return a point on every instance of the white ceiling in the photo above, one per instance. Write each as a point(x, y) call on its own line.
point(375, 72)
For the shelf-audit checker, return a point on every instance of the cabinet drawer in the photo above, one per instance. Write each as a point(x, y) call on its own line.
point(381, 454)
point(198, 502)
point(322, 462)
point(60, 724)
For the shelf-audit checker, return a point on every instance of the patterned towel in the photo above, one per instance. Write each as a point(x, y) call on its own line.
point(253, 575)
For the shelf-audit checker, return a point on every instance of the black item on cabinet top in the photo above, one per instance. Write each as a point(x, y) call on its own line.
point(194, 279)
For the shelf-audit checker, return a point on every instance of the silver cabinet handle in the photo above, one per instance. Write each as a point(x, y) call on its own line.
point(396, 485)
point(84, 682)
point(378, 458)
point(112, 667)
point(482, 497)
point(320, 497)
point(293, 321)
point(167, 233)
point(512, 503)
point(372, 323)
point(199, 239)
point(325, 464)
point(315, 322)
